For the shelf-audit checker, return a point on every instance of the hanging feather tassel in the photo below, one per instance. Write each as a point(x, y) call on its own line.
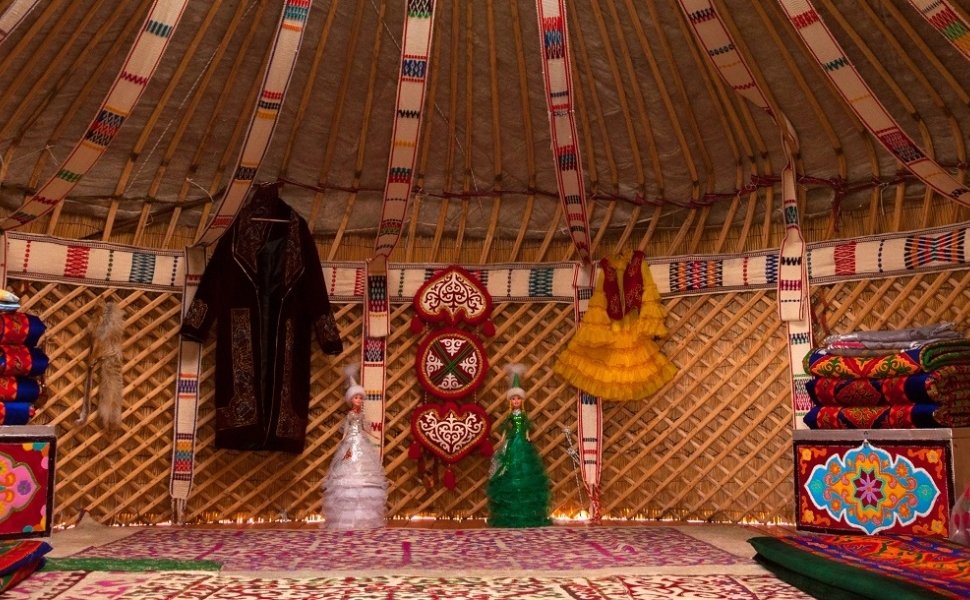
point(105, 339)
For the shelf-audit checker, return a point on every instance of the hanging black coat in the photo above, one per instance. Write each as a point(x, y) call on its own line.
point(265, 290)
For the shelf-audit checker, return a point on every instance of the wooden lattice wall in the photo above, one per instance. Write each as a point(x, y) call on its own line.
point(714, 444)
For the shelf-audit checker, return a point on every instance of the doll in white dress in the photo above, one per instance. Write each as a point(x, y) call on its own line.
point(355, 489)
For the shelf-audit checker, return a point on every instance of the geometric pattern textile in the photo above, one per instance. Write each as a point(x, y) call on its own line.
point(44, 258)
point(871, 490)
point(413, 550)
point(60, 585)
point(409, 104)
point(27, 457)
point(945, 19)
point(861, 100)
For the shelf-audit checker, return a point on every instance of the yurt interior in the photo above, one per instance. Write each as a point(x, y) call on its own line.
point(414, 299)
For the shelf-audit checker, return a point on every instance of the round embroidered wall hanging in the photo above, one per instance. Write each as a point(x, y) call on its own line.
point(453, 296)
point(451, 363)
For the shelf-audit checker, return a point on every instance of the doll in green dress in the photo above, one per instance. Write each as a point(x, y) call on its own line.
point(518, 487)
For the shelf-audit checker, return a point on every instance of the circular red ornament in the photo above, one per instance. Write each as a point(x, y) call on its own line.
point(451, 363)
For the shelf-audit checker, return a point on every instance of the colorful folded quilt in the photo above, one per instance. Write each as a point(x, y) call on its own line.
point(948, 386)
point(20, 328)
point(897, 566)
point(18, 560)
point(19, 389)
point(929, 357)
point(908, 416)
point(16, 413)
point(22, 360)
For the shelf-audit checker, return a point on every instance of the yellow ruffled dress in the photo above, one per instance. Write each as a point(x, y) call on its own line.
point(613, 354)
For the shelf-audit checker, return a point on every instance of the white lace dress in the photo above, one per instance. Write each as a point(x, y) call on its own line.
point(355, 489)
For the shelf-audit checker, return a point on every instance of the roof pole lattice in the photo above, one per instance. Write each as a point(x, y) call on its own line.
point(945, 18)
point(14, 16)
point(139, 67)
point(712, 34)
point(859, 97)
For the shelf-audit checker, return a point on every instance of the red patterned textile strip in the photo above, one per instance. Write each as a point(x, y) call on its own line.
point(792, 279)
point(138, 69)
point(862, 101)
point(276, 80)
point(557, 77)
point(14, 16)
point(589, 409)
point(411, 86)
point(944, 18)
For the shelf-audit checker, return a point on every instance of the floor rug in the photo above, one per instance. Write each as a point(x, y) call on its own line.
point(59, 585)
point(419, 551)
point(898, 566)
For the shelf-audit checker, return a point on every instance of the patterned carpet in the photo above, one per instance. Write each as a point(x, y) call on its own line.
point(574, 563)
point(185, 586)
point(397, 550)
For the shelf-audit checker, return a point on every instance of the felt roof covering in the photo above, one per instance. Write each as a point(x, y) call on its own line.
point(664, 140)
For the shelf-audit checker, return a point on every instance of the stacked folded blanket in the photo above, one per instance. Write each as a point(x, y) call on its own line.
point(22, 366)
point(915, 378)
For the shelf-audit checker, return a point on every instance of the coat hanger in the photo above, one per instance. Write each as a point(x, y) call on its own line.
point(265, 189)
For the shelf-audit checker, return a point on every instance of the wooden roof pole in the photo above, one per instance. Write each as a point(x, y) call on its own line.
point(68, 116)
point(187, 58)
point(350, 53)
point(633, 135)
point(496, 114)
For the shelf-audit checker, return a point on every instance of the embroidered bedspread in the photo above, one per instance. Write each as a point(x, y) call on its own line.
point(948, 386)
point(929, 357)
point(907, 416)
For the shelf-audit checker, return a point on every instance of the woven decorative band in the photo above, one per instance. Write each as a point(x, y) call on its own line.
point(45, 258)
point(373, 351)
point(939, 249)
point(276, 80)
point(14, 16)
point(589, 411)
point(137, 70)
point(411, 86)
point(863, 102)
point(945, 19)
point(185, 420)
point(557, 78)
